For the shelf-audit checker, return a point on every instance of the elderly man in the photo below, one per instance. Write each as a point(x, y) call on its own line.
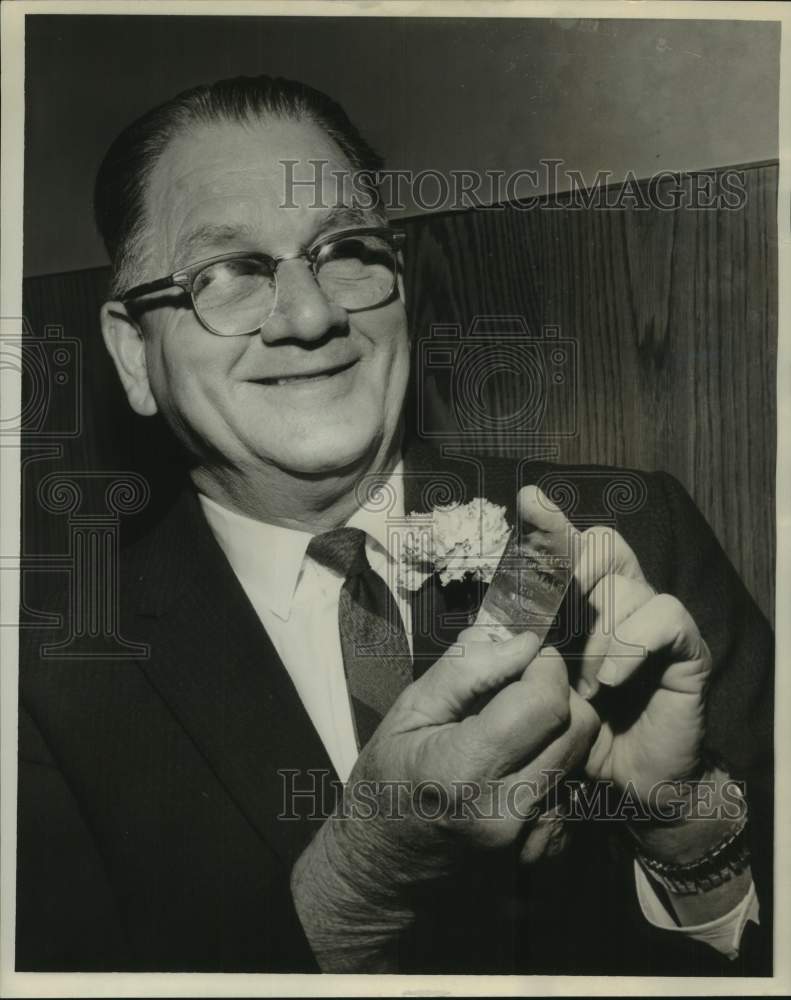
point(173, 808)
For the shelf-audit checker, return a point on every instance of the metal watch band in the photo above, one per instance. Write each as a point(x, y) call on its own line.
point(718, 865)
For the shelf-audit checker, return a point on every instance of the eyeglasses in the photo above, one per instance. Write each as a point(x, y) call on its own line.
point(235, 293)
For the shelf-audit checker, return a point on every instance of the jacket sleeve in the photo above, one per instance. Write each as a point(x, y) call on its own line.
point(69, 917)
point(740, 700)
point(689, 563)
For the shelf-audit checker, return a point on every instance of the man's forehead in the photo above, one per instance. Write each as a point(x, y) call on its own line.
point(275, 179)
point(198, 239)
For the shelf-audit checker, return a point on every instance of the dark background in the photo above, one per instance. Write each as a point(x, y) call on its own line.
point(671, 314)
point(438, 93)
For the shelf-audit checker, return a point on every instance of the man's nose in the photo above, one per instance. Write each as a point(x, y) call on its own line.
point(302, 310)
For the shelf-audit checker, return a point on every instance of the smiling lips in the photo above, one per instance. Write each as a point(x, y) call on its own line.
point(316, 376)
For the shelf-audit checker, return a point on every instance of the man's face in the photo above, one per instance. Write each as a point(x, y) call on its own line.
point(234, 400)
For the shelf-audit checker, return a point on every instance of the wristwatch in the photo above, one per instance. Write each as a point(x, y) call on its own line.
point(718, 865)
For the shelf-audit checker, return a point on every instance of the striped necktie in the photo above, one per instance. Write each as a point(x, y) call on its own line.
point(376, 654)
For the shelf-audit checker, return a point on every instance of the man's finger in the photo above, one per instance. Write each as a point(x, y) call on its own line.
point(537, 509)
point(544, 525)
point(525, 788)
point(468, 670)
point(661, 625)
point(614, 599)
point(525, 716)
point(603, 551)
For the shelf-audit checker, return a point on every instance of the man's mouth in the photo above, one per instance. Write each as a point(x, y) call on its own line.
point(316, 376)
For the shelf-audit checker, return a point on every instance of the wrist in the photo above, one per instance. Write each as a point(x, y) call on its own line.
point(690, 818)
point(702, 857)
point(698, 908)
point(351, 920)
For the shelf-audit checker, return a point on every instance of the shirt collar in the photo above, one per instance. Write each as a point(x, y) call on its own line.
point(387, 502)
point(268, 558)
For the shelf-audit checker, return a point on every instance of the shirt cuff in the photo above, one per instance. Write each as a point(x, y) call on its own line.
point(724, 934)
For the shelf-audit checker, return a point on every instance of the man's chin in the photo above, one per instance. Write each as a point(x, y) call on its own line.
point(337, 458)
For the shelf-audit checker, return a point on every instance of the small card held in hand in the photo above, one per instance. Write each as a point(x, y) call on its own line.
point(529, 585)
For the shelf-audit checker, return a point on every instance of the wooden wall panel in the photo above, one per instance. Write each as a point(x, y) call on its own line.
point(671, 315)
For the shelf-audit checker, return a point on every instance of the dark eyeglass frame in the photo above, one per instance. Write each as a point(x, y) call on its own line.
point(185, 277)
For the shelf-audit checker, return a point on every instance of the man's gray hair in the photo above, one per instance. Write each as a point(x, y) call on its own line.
point(119, 195)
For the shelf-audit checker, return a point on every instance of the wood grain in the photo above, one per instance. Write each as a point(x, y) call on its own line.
point(671, 314)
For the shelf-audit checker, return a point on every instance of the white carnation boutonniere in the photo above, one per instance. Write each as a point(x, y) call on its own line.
point(456, 541)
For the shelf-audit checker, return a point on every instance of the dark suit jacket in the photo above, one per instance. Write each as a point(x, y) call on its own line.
point(150, 791)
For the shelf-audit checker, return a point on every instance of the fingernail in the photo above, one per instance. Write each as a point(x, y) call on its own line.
point(608, 674)
point(526, 643)
point(584, 689)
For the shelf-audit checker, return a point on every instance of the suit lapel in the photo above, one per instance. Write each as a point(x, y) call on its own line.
point(439, 612)
point(215, 666)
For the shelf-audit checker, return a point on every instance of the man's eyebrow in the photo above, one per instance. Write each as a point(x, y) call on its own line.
point(212, 237)
point(200, 242)
point(347, 215)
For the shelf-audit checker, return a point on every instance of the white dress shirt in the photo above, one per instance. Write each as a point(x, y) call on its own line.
point(297, 600)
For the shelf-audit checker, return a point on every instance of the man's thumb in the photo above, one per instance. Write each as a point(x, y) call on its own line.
point(469, 670)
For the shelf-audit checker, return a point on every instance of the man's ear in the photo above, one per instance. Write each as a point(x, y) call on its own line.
point(402, 296)
point(123, 338)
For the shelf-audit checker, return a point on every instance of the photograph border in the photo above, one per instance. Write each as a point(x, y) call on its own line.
point(191, 984)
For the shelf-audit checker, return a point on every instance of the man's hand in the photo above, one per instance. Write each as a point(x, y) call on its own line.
point(489, 723)
point(647, 654)
point(642, 643)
